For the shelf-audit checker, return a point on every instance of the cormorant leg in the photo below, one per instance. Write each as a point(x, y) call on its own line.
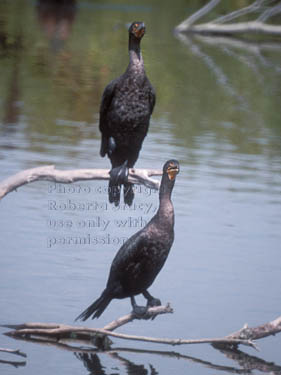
point(151, 301)
point(139, 311)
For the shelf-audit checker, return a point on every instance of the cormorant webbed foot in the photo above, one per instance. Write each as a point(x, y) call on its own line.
point(138, 311)
point(119, 175)
point(151, 301)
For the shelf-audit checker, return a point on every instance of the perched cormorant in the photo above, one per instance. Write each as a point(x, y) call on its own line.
point(126, 106)
point(139, 260)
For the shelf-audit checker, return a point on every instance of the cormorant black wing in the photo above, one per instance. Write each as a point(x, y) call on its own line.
point(128, 256)
point(152, 98)
point(107, 97)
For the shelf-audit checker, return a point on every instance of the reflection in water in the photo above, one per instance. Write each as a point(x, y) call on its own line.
point(91, 358)
point(56, 18)
point(247, 363)
point(12, 109)
point(221, 77)
point(250, 362)
point(15, 364)
point(11, 48)
point(92, 363)
point(132, 368)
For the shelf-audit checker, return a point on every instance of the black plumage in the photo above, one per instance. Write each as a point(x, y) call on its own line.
point(139, 260)
point(126, 106)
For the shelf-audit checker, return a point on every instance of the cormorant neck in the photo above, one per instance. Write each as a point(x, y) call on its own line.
point(135, 51)
point(166, 208)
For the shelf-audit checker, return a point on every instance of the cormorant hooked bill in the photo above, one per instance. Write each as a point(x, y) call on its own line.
point(139, 260)
point(126, 106)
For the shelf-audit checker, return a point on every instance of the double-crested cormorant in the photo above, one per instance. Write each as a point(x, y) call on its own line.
point(126, 107)
point(142, 256)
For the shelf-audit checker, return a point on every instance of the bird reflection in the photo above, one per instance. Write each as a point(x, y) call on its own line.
point(132, 368)
point(56, 18)
point(92, 363)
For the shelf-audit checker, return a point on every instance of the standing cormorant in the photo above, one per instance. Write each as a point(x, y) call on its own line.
point(142, 256)
point(126, 106)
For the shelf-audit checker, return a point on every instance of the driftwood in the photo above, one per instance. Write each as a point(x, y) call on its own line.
point(217, 26)
point(244, 336)
point(60, 336)
point(49, 173)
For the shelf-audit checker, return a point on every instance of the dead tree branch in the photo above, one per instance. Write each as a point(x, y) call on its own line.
point(49, 173)
point(197, 15)
point(98, 336)
point(216, 26)
point(71, 332)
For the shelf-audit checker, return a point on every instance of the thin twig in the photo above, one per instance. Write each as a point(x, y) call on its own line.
point(195, 17)
point(240, 12)
point(269, 13)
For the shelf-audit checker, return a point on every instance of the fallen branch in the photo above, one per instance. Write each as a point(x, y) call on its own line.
point(244, 336)
point(217, 27)
point(49, 173)
point(99, 336)
point(95, 336)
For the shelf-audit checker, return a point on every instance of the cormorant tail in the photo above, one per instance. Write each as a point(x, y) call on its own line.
point(96, 308)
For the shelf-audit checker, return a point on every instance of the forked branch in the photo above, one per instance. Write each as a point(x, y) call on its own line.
point(219, 26)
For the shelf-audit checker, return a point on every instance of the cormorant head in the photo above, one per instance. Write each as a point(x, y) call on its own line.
point(171, 168)
point(137, 29)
